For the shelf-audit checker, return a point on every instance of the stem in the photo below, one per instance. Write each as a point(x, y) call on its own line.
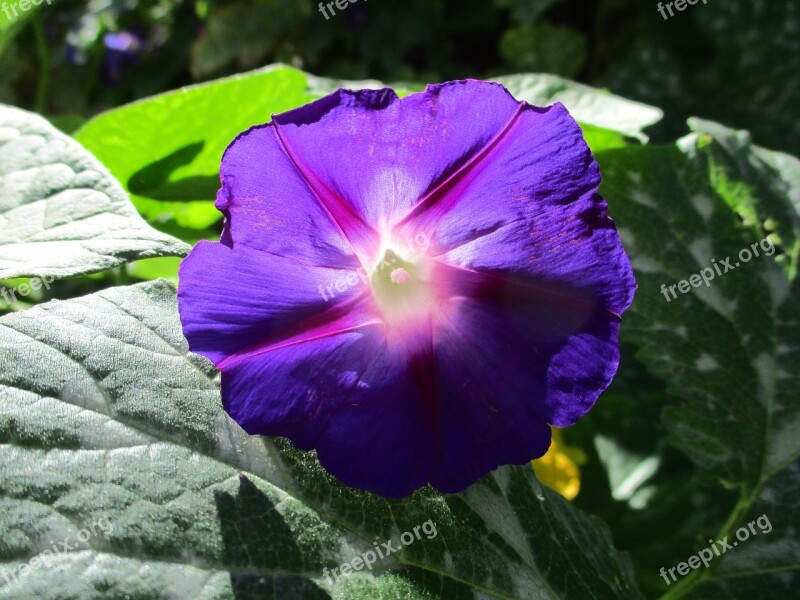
point(120, 275)
point(43, 54)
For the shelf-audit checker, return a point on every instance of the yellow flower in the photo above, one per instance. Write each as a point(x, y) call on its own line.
point(558, 469)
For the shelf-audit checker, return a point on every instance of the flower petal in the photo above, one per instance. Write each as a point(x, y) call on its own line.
point(350, 396)
point(506, 369)
point(235, 299)
point(384, 154)
point(271, 205)
point(528, 205)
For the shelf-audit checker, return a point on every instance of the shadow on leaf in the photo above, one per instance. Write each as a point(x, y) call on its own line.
point(257, 541)
point(153, 181)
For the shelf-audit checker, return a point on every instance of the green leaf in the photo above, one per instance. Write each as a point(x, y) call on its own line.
point(588, 105)
point(756, 183)
point(61, 213)
point(166, 150)
point(105, 418)
point(729, 349)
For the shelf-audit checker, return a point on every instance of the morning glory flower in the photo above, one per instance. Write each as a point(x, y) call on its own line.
point(122, 48)
point(415, 288)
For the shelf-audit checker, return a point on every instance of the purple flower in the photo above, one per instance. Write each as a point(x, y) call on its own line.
point(121, 49)
point(415, 288)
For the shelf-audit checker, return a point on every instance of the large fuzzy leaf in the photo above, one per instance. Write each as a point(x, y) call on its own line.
point(61, 213)
point(105, 415)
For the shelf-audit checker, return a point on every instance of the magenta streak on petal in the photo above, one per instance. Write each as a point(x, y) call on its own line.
point(439, 197)
point(416, 340)
point(424, 374)
point(458, 281)
point(342, 318)
point(355, 230)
